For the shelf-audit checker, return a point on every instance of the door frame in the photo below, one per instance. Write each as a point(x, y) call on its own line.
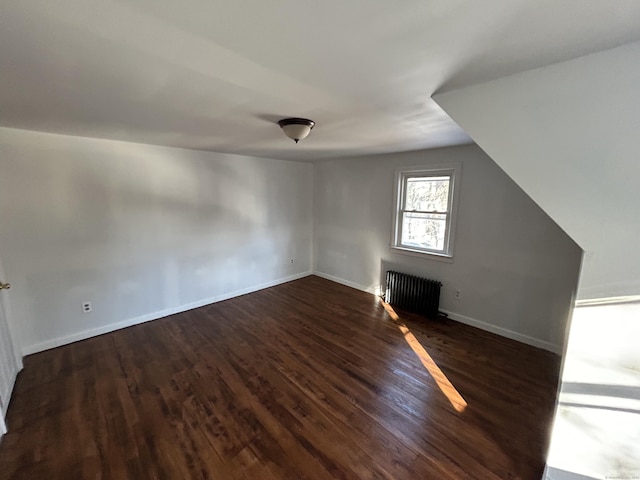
point(5, 307)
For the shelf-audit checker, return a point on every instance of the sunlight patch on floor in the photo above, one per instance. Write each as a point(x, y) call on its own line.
point(440, 378)
point(596, 433)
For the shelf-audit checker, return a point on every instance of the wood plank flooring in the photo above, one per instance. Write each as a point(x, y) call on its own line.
point(306, 380)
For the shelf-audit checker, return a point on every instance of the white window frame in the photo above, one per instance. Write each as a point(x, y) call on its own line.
point(453, 171)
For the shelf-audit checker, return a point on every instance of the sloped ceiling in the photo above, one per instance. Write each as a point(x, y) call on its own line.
point(217, 75)
point(568, 135)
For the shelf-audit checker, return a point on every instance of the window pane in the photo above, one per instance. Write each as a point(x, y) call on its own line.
point(423, 230)
point(427, 194)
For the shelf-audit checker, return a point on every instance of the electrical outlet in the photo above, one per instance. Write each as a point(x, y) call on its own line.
point(457, 294)
point(291, 260)
point(86, 307)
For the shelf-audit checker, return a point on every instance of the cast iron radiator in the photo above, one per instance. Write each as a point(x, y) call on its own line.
point(415, 294)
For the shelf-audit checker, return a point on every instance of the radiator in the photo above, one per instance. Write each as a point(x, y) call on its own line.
point(414, 294)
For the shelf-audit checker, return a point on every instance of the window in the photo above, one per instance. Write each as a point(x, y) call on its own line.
point(425, 211)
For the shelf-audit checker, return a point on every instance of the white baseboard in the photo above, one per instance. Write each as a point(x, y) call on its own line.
point(342, 281)
point(59, 341)
point(551, 473)
point(503, 332)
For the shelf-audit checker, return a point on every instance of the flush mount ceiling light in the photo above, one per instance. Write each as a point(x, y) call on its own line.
point(296, 128)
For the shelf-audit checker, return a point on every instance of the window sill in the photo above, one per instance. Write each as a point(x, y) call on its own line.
point(438, 257)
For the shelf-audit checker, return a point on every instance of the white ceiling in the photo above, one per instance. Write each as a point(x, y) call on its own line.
point(217, 75)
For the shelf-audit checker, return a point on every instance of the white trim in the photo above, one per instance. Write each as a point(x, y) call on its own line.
point(596, 302)
point(454, 171)
point(347, 283)
point(3, 414)
point(59, 341)
point(438, 257)
point(504, 332)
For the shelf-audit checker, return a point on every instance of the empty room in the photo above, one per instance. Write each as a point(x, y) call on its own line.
point(358, 240)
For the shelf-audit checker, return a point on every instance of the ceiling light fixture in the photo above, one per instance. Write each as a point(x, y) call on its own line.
point(296, 128)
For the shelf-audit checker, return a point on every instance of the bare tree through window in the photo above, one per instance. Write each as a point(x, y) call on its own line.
point(424, 210)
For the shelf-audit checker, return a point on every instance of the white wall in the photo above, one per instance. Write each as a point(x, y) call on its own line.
point(516, 269)
point(568, 134)
point(140, 231)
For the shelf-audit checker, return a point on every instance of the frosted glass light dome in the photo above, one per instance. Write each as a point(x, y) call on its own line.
point(296, 128)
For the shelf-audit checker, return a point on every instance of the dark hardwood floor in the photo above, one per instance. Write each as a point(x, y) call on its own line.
point(306, 380)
